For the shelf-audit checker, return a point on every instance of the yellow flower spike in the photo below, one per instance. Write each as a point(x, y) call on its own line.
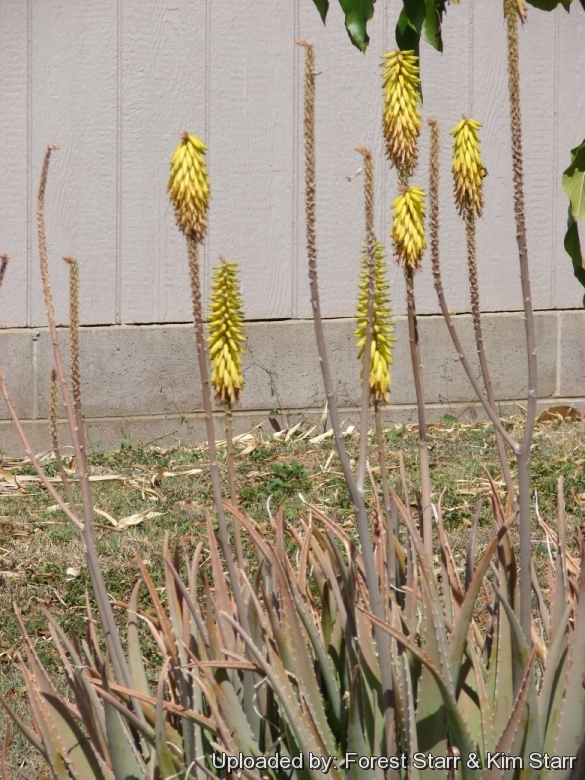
point(188, 186)
point(382, 338)
point(226, 333)
point(401, 112)
point(468, 169)
point(408, 229)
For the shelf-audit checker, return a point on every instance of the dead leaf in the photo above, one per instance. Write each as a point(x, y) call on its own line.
point(559, 413)
point(321, 436)
point(125, 522)
point(72, 572)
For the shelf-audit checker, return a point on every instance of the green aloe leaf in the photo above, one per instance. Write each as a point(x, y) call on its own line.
point(124, 760)
point(459, 635)
point(165, 763)
point(457, 727)
point(506, 741)
point(572, 725)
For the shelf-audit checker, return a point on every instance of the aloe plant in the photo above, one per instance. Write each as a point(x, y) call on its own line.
point(461, 686)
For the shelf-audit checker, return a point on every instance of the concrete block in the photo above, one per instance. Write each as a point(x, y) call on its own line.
point(16, 357)
point(572, 362)
point(129, 370)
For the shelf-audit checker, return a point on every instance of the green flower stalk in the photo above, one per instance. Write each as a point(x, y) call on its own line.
point(383, 326)
point(468, 168)
point(408, 227)
point(401, 113)
point(226, 333)
point(188, 186)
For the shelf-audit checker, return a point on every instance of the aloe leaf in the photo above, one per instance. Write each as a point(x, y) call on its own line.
point(458, 730)
point(325, 665)
point(572, 720)
point(165, 626)
point(355, 731)
point(137, 670)
point(308, 737)
point(301, 662)
point(487, 735)
point(438, 618)
point(26, 730)
point(164, 758)
point(471, 542)
point(448, 563)
point(552, 688)
point(528, 738)
point(409, 714)
point(122, 752)
point(88, 705)
point(233, 714)
point(459, 635)
point(506, 741)
point(60, 732)
point(431, 721)
point(501, 661)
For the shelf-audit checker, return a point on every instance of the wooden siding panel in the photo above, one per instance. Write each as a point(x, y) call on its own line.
point(115, 84)
point(251, 150)
point(73, 82)
point(163, 94)
point(348, 113)
point(13, 162)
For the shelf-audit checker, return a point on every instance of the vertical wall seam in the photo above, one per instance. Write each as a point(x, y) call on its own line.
point(559, 348)
point(118, 292)
point(29, 163)
point(470, 63)
point(209, 141)
point(295, 170)
point(552, 299)
point(34, 384)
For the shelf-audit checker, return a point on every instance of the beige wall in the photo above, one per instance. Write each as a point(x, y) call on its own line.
point(115, 82)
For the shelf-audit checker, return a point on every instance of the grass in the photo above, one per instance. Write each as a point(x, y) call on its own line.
point(42, 564)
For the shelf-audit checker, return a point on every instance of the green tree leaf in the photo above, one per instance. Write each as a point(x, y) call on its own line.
point(322, 7)
point(574, 181)
point(407, 36)
point(573, 247)
point(432, 23)
point(357, 15)
point(550, 5)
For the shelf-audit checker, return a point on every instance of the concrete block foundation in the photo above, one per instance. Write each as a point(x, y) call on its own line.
point(140, 382)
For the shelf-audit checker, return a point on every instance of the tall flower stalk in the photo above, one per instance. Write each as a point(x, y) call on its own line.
point(189, 192)
point(356, 495)
point(225, 341)
point(521, 449)
point(374, 333)
point(512, 11)
point(380, 378)
point(401, 125)
point(468, 175)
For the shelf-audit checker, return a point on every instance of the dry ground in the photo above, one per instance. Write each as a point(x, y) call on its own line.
point(41, 560)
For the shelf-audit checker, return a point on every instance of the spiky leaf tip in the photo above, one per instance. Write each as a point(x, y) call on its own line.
point(468, 168)
point(226, 333)
point(401, 112)
point(188, 186)
point(383, 325)
point(408, 227)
